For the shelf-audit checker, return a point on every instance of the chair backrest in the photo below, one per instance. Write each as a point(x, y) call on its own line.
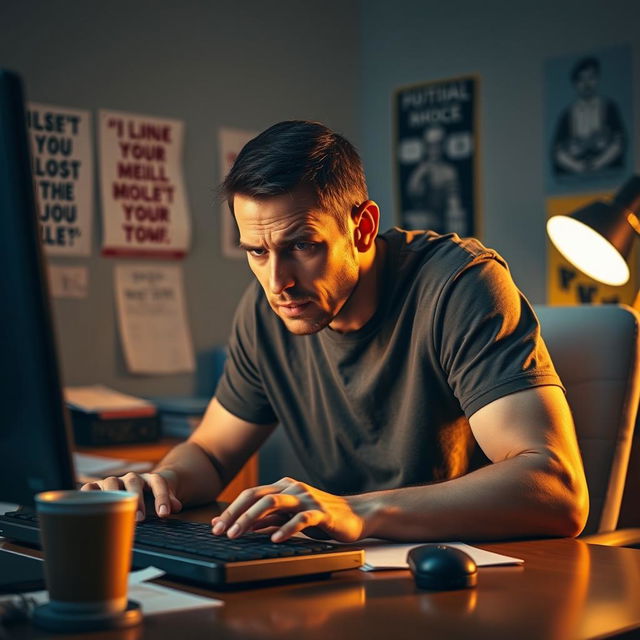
point(596, 352)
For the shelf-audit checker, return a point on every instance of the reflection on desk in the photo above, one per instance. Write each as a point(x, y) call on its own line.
point(566, 590)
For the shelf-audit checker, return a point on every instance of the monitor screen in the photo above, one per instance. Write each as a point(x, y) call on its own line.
point(35, 436)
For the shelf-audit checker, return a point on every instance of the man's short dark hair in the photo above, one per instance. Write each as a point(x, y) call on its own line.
point(584, 64)
point(298, 153)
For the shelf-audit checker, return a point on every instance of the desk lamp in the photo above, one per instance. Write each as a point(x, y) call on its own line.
point(597, 238)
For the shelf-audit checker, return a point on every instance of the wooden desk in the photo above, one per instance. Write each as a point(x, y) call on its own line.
point(566, 590)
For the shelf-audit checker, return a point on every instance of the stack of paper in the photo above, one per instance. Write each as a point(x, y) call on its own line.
point(107, 402)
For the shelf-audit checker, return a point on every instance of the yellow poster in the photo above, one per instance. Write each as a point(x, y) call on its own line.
point(568, 285)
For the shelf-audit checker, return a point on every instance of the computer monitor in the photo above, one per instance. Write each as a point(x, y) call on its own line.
point(35, 435)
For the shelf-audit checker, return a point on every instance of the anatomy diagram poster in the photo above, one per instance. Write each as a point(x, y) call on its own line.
point(435, 156)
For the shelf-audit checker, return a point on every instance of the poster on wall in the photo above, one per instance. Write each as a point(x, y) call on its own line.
point(589, 138)
point(144, 203)
point(152, 319)
point(63, 177)
point(567, 285)
point(435, 156)
point(589, 153)
point(68, 281)
point(230, 143)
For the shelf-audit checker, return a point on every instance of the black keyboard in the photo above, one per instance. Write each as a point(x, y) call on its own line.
point(188, 550)
point(179, 535)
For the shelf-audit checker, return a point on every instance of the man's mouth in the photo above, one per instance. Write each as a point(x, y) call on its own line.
point(293, 309)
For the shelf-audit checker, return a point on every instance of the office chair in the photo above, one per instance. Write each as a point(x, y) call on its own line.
point(596, 351)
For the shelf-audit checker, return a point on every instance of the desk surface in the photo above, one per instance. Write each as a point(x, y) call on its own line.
point(566, 590)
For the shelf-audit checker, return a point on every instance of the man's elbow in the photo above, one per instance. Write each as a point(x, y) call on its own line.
point(575, 518)
point(570, 500)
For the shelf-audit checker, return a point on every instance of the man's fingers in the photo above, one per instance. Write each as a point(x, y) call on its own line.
point(162, 494)
point(299, 522)
point(244, 501)
point(112, 484)
point(133, 482)
point(263, 507)
point(176, 505)
point(165, 500)
point(90, 486)
point(273, 521)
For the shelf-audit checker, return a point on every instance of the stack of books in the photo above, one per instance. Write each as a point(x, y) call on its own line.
point(180, 415)
point(104, 416)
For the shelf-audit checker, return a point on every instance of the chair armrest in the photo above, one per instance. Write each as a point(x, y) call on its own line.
point(618, 538)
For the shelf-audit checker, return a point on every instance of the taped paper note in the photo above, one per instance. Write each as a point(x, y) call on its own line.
point(152, 319)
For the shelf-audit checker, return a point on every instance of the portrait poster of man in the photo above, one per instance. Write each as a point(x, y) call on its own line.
point(435, 156)
point(588, 121)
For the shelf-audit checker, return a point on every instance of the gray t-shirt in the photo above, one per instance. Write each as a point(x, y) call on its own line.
point(388, 405)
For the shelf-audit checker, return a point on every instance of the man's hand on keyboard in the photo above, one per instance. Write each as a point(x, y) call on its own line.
point(160, 484)
point(287, 507)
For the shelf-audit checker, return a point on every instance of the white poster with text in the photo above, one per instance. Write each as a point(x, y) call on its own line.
point(63, 177)
point(152, 319)
point(231, 142)
point(144, 203)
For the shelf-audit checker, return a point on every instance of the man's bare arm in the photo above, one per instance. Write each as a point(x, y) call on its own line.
point(223, 443)
point(535, 487)
point(195, 471)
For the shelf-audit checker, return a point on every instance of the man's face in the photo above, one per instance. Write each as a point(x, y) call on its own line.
point(586, 82)
point(306, 265)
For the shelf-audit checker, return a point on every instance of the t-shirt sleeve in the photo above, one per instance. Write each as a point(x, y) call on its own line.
point(488, 337)
point(240, 390)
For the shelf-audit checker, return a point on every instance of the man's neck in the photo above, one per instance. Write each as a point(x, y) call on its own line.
point(364, 298)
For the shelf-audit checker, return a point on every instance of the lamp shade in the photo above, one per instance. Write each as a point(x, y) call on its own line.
point(598, 238)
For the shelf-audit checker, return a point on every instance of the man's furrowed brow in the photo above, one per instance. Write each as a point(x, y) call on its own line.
point(247, 247)
point(294, 236)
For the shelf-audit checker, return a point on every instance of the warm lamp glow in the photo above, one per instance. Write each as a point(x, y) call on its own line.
point(587, 250)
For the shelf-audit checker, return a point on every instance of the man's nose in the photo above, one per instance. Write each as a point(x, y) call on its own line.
point(280, 275)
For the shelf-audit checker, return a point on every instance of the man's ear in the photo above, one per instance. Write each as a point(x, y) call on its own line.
point(366, 217)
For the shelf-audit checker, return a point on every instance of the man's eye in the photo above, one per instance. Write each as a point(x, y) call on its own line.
point(304, 246)
point(257, 253)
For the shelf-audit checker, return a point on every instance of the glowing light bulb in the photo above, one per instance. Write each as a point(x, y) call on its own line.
point(587, 250)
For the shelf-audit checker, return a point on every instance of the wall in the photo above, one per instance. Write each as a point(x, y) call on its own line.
point(248, 64)
point(505, 43)
point(241, 64)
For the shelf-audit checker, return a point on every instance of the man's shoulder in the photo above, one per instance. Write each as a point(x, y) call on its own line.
point(447, 252)
point(423, 264)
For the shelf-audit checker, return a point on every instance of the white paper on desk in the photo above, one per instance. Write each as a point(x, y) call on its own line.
point(89, 466)
point(152, 319)
point(153, 598)
point(381, 555)
point(8, 506)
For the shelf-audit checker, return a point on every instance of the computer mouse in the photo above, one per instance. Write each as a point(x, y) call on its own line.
point(439, 567)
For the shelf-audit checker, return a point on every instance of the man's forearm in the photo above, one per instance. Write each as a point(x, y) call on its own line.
point(191, 474)
point(520, 497)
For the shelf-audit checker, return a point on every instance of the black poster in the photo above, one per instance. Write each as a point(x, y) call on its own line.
point(435, 156)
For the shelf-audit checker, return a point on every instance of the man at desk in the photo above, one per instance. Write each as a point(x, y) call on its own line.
point(407, 369)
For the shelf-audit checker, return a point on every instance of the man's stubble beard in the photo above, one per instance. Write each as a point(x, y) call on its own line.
point(323, 322)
